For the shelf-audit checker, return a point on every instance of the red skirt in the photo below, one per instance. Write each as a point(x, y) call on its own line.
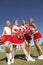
point(15, 40)
point(27, 37)
point(7, 38)
point(37, 36)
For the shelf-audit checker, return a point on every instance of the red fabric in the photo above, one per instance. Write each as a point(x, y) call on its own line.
point(15, 40)
point(37, 36)
point(7, 38)
point(1, 40)
point(27, 37)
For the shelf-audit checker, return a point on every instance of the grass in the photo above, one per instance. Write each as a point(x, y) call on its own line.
point(20, 59)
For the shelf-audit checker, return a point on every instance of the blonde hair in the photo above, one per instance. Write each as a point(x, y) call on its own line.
point(31, 20)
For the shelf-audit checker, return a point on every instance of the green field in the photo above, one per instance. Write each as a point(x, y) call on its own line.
point(20, 59)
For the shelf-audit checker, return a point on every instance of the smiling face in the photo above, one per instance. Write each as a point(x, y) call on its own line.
point(16, 22)
point(8, 23)
point(23, 22)
point(31, 20)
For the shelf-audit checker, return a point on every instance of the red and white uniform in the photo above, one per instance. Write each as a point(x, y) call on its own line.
point(27, 36)
point(7, 33)
point(15, 39)
point(22, 30)
point(37, 36)
point(36, 33)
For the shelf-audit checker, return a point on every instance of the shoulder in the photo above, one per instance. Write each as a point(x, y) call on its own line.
point(5, 27)
point(15, 27)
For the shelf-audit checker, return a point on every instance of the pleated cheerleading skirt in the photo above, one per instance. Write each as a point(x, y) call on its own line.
point(15, 40)
point(4, 38)
point(37, 36)
point(7, 38)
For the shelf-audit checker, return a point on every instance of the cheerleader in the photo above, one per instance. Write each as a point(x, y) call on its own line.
point(37, 36)
point(27, 38)
point(7, 37)
point(18, 41)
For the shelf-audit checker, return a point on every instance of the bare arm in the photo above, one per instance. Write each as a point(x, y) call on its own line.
point(34, 25)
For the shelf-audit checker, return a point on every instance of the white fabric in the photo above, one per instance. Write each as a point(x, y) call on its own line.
point(15, 27)
point(7, 30)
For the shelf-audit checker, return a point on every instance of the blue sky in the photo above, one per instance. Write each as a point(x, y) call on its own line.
point(21, 9)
